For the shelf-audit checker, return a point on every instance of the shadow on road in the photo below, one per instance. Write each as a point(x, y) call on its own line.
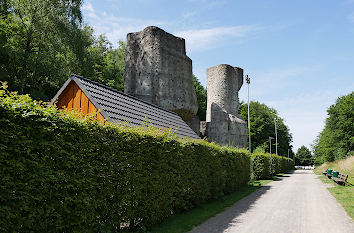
point(223, 220)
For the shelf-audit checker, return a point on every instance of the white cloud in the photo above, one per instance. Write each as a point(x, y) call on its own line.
point(272, 81)
point(303, 109)
point(202, 39)
point(88, 9)
point(115, 28)
point(305, 113)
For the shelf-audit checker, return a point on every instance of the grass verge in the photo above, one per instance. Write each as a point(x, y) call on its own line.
point(183, 222)
point(343, 194)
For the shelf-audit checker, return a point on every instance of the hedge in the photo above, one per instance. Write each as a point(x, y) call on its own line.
point(261, 165)
point(64, 173)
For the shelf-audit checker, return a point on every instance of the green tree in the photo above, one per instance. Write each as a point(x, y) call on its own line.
point(36, 37)
point(103, 63)
point(303, 156)
point(262, 127)
point(336, 141)
point(201, 97)
point(42, 42)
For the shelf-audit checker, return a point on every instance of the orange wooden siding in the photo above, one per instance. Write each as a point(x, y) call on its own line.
point(74, 99)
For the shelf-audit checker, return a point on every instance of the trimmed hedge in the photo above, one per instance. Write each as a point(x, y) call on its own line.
point(61, 173)
point(261, 165)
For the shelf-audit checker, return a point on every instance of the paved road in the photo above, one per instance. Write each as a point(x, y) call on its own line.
point(297, 203)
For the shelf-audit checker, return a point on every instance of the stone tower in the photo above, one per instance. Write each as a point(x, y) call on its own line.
point(158, 71)
point(223, 124)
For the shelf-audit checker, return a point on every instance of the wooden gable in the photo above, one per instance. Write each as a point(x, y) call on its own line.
point(73, 98)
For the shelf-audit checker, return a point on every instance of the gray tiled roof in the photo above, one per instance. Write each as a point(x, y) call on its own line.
point(119, 107)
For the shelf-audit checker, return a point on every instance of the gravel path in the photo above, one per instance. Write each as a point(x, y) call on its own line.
point(297, 203)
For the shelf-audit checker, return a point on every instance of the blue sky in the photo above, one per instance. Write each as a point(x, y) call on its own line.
point(299, 54)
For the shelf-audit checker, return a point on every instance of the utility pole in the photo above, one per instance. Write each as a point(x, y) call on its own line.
point(270, 152)
point(288, 156)
point(276, 136)
point(248, 80)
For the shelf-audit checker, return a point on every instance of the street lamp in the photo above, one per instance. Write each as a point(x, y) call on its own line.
point(248, 80)
point(276, 136)
point(270, 152)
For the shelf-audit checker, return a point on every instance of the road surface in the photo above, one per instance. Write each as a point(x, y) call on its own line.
point(297, 203)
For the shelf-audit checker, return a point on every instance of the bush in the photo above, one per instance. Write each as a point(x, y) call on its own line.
point(63, 173)
point(261, 165)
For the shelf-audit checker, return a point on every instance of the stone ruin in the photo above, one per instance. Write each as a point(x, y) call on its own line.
point(223, 123)
point(157, 70)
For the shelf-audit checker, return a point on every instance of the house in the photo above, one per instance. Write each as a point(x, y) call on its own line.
point(79, 93)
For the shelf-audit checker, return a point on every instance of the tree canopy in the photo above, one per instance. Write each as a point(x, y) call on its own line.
point(262, 127)
point(201, 98)
point(303, 156)
point(336, 141)
point(42, 42)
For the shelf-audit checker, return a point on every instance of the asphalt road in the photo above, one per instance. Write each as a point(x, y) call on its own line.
point(297, 203)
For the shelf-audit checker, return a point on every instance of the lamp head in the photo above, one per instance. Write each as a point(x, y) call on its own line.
point(248, 80)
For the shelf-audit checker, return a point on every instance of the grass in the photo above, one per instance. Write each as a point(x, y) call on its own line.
point(183, 222)
point(343, 194)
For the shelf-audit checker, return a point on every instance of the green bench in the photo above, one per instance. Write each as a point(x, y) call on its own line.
point(328, 173)
point(341, 179)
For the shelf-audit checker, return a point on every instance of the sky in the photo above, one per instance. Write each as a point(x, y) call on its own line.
point(298, 54)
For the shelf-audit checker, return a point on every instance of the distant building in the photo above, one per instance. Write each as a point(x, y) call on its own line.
point(86, 96)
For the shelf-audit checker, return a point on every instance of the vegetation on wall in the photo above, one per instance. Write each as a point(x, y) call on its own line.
point(64, 173)
point(336, 141)
point(262, 127)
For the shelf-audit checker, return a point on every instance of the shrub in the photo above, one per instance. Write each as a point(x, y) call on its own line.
point(261, 165)
point(63, 173)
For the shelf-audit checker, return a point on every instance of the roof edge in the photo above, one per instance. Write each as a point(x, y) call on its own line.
point(61, 90)
point(92, 100)
point(120, 92)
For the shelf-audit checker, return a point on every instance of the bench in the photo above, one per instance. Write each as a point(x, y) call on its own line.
point(341, 179)
point(329, 174)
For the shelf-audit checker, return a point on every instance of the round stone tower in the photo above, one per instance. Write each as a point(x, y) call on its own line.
point(223, 84)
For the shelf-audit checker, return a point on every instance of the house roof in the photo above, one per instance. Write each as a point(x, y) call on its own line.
point(119, 107)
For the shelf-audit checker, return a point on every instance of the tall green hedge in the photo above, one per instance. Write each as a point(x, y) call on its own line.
point(64, 174)
point(261, 165)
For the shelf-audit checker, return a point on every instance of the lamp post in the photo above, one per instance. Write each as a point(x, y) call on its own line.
point(248, 80)
point(276, 136)
point(288, 156)
point(270, 152)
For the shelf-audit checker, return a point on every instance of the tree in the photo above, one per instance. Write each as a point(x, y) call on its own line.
point(103, 63)
point(42, 42)
point(262, 127)
point(36, 42)
point(336, 141)
point(304, 157)
point(201, 98)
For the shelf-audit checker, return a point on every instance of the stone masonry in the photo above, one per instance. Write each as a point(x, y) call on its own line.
point(158, 71)
point(223, 123)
